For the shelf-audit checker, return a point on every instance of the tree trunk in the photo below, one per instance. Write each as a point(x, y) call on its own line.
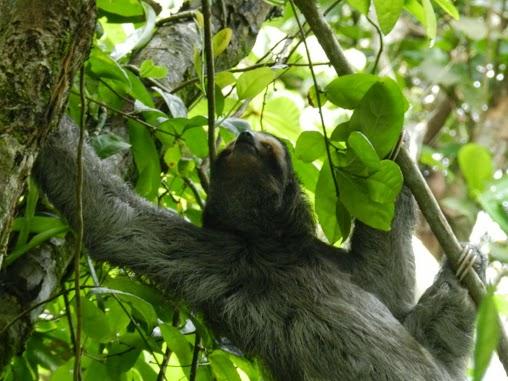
point(42, 45)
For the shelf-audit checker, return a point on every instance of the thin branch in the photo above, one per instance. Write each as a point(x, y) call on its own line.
point(79, 227)
point(412, 175)
point(210, 75)
point(176, 17)
point(165, 361)
point(195, 359)
point(195, 192)
point(381, 44)
point(69, 320)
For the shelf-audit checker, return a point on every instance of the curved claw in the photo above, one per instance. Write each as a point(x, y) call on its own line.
point(466, 261)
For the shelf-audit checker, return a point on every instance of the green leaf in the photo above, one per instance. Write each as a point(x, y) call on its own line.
point(222, 367)
point(310, 146)
point(149, 69)
point(380, 115)
point(343, 219)
point(221, 40)
point(175, 104)
point(341, 132)
point(364, 150)
point(108, 144)
point(355, 197)
point(361, 6)
point(143, 307)
point(224, 78)
point(416, 9)
point(101, 66)
point(312, 97)
point(285, 124)
point(430, 19)
point(388, 12)
point(487, 335)
point(95, 324)
point(251, 83)
point(347, 91)
point(138, 90)
point(476, 165)
point(172, 156)
point(126, 8)
point(385, 184)
point(178, 344)
point(493, 201)
point(448, 7)
point(34, 242)
point(146, 159)
point(326, 205)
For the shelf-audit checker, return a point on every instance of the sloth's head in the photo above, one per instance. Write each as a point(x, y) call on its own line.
point(254, 189)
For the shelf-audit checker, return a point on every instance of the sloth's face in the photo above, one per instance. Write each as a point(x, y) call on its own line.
point(250, 180)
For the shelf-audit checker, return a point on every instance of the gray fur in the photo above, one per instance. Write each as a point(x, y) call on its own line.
point(307, 310)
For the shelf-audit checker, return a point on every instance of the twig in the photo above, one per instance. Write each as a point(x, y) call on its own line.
point(195, 192)
point(195, 358)
point(69, 320)
point(381, 46)
point(176, 17)
point(412, 175)
point(210, 75)
point(165, 361)
point(79, 227)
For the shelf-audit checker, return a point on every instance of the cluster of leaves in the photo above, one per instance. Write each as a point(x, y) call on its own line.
point(130, 331)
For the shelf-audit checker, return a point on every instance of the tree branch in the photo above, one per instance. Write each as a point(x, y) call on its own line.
point(412, 175)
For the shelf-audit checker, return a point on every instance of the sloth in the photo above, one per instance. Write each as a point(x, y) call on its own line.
point(260, 276)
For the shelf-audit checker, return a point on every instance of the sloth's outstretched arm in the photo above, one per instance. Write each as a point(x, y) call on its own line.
point(125, 230)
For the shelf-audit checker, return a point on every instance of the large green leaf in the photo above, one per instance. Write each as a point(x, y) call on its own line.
point(388, 12)
point(252, 82)
point(178, 344)
point(364, 150)
point(476, 165)
point(355, 196)
point(348, 90)
point(326, 205)
point(380, 115)
point(222, 367)
point(310, 146)
point(361, 6)
point(146, 159)
point(430, 19)
point(448, 7)
point(487, 335)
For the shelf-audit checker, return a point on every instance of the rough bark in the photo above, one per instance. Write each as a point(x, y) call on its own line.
point(42, 45)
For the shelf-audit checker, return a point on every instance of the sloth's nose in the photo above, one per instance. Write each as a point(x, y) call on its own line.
point(246, 137)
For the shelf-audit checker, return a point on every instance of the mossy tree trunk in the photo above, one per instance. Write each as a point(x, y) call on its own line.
point(42, 45)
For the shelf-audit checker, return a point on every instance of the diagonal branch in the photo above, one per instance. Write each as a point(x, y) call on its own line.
point(412, 175)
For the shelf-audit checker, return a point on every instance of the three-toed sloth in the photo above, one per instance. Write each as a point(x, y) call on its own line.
point(261, 277)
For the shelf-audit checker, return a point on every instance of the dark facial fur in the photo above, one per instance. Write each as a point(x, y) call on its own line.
point(254, 190)
point(307, 310)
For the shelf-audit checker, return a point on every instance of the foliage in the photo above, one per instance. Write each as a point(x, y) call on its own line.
point(131, 331)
